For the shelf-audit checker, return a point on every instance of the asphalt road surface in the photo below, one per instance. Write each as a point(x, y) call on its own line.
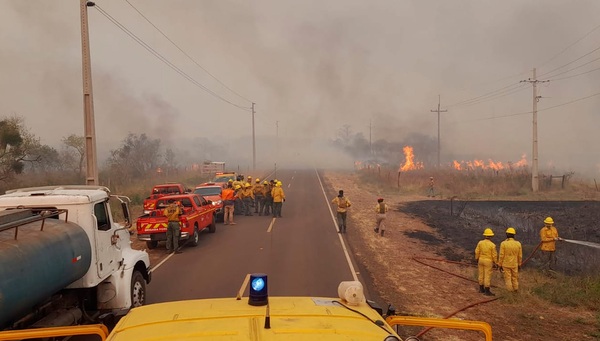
point(302, 253)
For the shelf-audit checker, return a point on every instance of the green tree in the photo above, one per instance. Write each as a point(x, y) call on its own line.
point(17, 146)
point(137, 156)
point(74, 153)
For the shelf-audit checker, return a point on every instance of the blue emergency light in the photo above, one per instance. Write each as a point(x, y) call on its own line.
point(259, 293)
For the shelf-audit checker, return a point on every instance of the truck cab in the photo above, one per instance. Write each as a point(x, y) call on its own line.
point(105, 274)
point(159, 191)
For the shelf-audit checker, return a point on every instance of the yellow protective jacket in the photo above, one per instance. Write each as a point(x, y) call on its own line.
point(172, 212)
point(547, 235)
point(258, 189)
point(342, 203)
point(486, 249)
point(246, 193)
point(277, 194)
point(378, 208)
point(511, 254)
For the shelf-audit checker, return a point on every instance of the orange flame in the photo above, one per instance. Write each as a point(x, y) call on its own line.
point(409, 163)
point(491, 164)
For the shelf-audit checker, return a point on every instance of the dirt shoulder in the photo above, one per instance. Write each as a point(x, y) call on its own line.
point(416, 289)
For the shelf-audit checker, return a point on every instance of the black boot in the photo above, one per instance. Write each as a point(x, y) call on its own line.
point(488, 292)
point(481, 289)
point(382, 231)
point(376, 230)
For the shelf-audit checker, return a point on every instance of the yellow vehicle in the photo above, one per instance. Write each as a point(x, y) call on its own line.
point(260, 317)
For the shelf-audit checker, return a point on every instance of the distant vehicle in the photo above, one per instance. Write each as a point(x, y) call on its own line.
point(64, 260)
point(224, 177)
point(198, 216)
point(212, 191)
point(260, 317)
point(159, 191)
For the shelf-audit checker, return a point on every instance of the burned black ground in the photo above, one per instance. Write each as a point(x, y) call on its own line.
point(461, 224)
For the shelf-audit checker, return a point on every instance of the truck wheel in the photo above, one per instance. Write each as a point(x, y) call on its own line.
point(138, 289)
point(152, 244)
point(212, 228)
point(195, 237)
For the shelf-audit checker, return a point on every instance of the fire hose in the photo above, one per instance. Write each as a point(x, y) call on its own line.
point(420, 260)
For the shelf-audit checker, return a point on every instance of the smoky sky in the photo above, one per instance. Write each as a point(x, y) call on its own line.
point(311, 67)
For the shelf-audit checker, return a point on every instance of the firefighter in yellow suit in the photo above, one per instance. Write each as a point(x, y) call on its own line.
point(548, 237)
point(511, 259)
point(486, 256)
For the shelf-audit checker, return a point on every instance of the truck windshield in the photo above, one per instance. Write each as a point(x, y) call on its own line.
point(208, 191)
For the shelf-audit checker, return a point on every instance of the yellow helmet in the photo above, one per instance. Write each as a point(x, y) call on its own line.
point(549, 221)
point(247, 184)
point(279, 183)
point(511, 230)
point(265, 182)
point(249, 177)
point(230, 180)
point(238, 186)
point(257, 180)
point(488, 232)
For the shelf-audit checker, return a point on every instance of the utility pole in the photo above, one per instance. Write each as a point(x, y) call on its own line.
point(370, 142)
point(91, 177)
point(253, 141)
point(438, 140)
point(276, 146)
point(535, 183)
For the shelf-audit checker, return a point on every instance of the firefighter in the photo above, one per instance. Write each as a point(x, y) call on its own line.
point(228, 197)
point(172, 212)
point(237, 202)
point(430, 191)
point(267, 206)
point(510, 260)
point(486, 256)
point(381, 208)
point(259, 196)
point(549, 236)
point(247, 198)
point(278, 199)
point(342, 204)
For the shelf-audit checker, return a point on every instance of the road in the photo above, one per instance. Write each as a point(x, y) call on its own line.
point(302, 253)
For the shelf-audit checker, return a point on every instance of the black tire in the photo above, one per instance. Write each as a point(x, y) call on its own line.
point(195, 239)
point(212, 228)
point(138, 289)
point(152, 244)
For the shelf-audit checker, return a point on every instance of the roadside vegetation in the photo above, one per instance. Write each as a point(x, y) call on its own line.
point(576, 289)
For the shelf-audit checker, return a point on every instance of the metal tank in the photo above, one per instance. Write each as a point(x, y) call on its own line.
point(47, 255)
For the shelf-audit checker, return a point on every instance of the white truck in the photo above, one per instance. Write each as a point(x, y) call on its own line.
point(64, 260)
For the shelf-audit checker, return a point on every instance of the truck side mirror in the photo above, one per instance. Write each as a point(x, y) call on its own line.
point(126, 214)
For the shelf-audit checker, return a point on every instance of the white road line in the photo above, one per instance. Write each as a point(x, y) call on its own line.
point(352, 270)
point(271, 225)
point(161, 263)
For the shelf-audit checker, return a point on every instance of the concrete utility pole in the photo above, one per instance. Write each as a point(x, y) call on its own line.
point(535, 183)
point(370, 142)
point(253, 141)
point(439, 143)
point(91, 177)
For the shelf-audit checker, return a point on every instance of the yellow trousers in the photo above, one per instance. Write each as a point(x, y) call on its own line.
point(485, 271)
point(511, 278)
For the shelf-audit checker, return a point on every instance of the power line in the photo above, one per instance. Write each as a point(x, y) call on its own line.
point(186, 54)
point(571, 62)
point(504, 93)
point(485, 96)
point(163, 59)
point(570, 45)
point(575, 68)
point(575, 75)
point(529, 112)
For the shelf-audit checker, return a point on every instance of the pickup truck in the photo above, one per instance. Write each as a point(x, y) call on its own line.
point(160, 191)
point(212, 191)
point(198, 216)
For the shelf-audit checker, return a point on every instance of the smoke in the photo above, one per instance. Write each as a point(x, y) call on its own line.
point(312, 67)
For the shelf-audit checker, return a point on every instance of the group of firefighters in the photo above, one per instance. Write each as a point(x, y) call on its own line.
point(240, 196)
point(510, 259)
